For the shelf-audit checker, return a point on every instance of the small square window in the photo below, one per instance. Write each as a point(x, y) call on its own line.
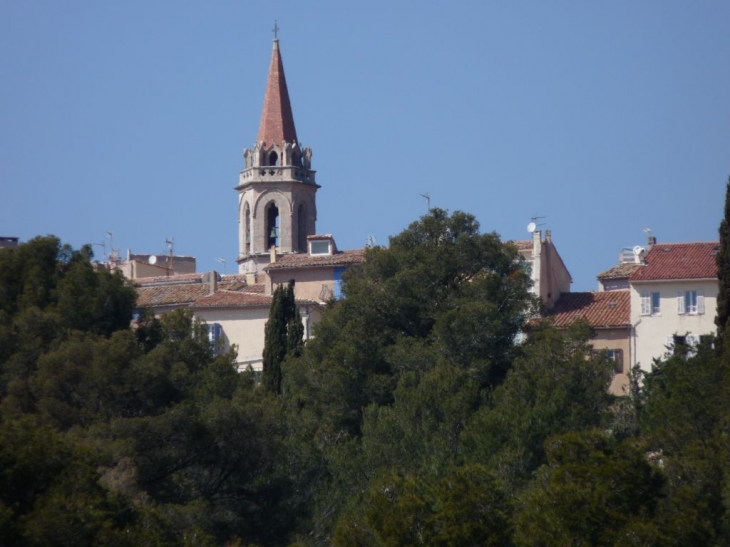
point(319, 247)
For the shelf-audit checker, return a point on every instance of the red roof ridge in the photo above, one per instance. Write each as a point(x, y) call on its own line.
point(690, 260)
point(277, 120)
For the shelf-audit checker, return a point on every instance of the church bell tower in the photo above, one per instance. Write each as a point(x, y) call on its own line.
point(277, 205)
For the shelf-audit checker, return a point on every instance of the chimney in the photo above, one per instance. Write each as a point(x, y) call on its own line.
point(212, 279)
point(251, 278)
point(651, 242)
point(548, 236)
point(273, 253)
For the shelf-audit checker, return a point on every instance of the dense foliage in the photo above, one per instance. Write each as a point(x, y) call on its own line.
point(412, 418)
point(723, 271)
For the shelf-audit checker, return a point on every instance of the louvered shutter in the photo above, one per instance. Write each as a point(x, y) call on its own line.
point(646, 304)
point(680, 303)
point(700, 302)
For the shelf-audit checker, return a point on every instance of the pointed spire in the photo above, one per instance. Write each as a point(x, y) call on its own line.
point(277, 120)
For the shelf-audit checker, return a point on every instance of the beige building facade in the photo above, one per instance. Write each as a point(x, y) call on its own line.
point(673, 293)
point(550, 276)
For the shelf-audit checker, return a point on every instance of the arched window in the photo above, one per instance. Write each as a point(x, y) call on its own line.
point(302, 228)
point(273, 158)
point(247, 230)
point(272, 225)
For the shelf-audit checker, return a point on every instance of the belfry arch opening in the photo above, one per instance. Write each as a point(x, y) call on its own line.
point(273, 158)
point(272, 226)
point(302, 228)
point(247, 230)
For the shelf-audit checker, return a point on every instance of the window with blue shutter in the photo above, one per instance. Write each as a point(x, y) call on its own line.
point(338, 282)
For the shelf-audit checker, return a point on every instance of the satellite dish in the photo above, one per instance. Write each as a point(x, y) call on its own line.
point(638, 249)
point(531, 227)
point(152, 260)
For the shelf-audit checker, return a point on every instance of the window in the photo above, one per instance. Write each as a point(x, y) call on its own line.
point(617, 356)
point(215, 333)
point(338, 282)
point(320, 247)
point(686, 345)
point(272, 226)
point(650, 303)
point(690, 303)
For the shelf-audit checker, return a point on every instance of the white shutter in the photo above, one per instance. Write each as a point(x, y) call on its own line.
point(700, 302)
point(680, 303)
point(646, 304)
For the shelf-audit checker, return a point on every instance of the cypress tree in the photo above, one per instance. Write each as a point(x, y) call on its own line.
point(723, 270)
point(294, 328)
point(283, 334)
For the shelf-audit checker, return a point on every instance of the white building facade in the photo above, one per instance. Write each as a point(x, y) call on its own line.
point(673, 294)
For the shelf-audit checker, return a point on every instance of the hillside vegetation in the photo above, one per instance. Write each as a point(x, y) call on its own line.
point(412, 418)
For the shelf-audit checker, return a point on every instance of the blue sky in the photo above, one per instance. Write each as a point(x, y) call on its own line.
point(604, 118)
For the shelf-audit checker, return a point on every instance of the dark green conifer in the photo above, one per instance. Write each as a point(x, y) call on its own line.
point(723, 270)
point(283, 334)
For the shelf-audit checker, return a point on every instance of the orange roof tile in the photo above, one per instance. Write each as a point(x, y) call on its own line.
point(277, 120)
point(679, 261)
point(170, 295)
point(170, 279)
point(522, 245)
point(601, 309)
point(233, 299)
point(619, 271)
point(305, 260)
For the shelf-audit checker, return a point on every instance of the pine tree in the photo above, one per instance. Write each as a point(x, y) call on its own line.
point(283, 334)
point(723, 270)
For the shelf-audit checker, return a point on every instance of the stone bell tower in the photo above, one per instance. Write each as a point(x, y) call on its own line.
point(277, 205)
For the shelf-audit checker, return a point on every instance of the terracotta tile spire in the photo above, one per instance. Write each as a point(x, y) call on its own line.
point(277, 120)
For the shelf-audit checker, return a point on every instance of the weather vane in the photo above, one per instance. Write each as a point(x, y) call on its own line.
point(276, 30)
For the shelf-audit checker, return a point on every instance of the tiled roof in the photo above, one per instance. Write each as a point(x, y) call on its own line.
point(600, 309)
point(171, 279)
point(620, 271)
point(277, 120)
point(233, 299)
point(522, 245)
point(305, 260)
point(678, 261)
point(170, 295)
point(259, 288)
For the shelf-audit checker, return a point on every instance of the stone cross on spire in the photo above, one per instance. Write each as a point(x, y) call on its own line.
point(276, 30)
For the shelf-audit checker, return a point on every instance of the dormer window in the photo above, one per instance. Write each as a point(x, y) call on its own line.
point(321, 247)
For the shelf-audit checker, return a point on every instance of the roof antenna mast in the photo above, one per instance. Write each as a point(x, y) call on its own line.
point(427, 197)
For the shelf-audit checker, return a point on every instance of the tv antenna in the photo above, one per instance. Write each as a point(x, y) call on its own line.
point(103, 246)
point(427, 197)
point(170, 242)
point(222, 261)
point(369, 242)
point(114, 252)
